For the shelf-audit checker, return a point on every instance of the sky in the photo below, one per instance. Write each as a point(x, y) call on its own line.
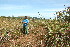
point(47, 8)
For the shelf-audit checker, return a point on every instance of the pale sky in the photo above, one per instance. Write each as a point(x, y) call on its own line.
point(31, 8)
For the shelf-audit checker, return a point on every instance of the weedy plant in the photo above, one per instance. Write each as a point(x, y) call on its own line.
point(42, 33)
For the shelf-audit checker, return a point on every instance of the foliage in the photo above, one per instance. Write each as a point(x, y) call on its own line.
point(64, 15)
point(42, 33)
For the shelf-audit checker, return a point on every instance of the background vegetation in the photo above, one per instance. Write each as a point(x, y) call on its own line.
point(42, 32)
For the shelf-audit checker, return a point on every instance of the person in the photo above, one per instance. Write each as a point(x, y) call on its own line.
point(25, 25)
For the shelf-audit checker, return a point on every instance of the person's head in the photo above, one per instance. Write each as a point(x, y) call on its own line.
point(26, 17)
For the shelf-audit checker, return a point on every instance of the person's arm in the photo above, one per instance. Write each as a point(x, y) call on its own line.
point(26, 21)
point(23, 22)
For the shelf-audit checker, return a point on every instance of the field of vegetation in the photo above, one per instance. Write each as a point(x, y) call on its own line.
point(42, 33)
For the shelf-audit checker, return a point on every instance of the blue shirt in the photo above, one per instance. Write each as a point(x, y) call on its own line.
point(27, 21)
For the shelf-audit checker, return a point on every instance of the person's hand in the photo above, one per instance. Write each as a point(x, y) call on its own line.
point(24, 22)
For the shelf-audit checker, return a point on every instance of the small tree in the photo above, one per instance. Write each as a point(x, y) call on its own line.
point(64, 15)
